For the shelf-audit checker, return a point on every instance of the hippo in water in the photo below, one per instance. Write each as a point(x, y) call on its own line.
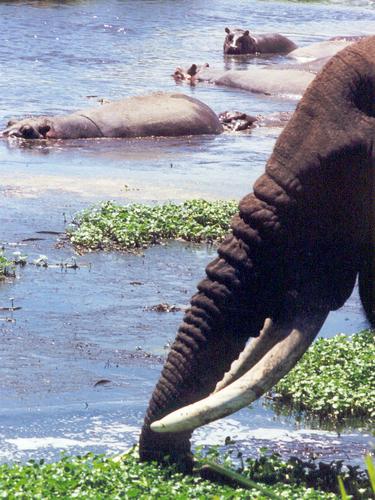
point(324, 49)
point(240, 42)
point(269, 80)
point(191, 74)
point(159, 114)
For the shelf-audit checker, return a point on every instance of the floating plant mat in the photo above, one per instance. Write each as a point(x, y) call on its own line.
point(97, 476)
point(334, 380)
point(136, 226)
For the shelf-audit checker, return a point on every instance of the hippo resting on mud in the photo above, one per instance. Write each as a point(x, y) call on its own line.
point(240, 42)
point(159, 114)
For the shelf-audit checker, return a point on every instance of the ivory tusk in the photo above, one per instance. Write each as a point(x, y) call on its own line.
point(277, 362)
point(252, 353)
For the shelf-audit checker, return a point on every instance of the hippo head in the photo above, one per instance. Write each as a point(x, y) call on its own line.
point(29, 128)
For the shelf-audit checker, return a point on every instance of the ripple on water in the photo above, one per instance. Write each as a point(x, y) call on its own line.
point(77, 328)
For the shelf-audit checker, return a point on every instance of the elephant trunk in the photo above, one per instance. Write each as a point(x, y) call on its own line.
point(231, 305)
point(296, 245)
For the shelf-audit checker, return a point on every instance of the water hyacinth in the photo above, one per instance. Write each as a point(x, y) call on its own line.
point(98, 477)
point(335, 379)
point(137, 226)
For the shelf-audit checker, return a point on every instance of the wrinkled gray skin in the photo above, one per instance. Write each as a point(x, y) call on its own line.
point(159, 114)
point(268, 43)
point(298, 242)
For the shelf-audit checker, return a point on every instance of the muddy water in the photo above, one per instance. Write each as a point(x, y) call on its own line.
point(80, 358)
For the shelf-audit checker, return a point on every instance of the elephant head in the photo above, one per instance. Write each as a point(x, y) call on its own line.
point(296, 247)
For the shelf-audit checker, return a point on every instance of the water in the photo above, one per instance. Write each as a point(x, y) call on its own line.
point(76, 328)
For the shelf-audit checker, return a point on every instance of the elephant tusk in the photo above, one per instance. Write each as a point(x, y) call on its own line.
point(296, 337)
point(252, 353)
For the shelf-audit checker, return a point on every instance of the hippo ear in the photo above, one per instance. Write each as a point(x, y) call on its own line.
point(11, 123)
point(227, 30)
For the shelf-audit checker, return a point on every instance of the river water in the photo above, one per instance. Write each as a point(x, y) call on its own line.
point(78, 327)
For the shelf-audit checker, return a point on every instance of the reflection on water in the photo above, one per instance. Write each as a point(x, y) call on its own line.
point(78, 327)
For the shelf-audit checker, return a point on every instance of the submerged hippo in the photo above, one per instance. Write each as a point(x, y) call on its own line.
point(324, 49)
point(237, 121)
point(270, 80)
point(241, 42)
point(282, 79)
point(159, 114)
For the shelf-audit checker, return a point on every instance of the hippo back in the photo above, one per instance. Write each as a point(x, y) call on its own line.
point(272, 43)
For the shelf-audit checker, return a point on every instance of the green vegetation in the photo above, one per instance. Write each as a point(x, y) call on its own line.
point(369, 490)
point(335, 379)
point(6, 266)
point(137, 226)
point(100, 477)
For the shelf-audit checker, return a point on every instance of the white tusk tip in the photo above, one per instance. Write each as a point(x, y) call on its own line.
point(158, 426)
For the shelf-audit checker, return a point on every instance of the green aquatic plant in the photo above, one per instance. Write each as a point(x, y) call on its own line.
point(367, 492)
point(19, 259)
point(272, 469)
point(137, 226)
point(334, 380)
point(100, 477)
point(6, 266)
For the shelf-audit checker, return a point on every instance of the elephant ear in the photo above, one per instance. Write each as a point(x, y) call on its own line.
point(366, 284)
point(366, 278)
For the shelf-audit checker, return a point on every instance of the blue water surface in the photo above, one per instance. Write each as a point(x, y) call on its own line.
point(78, 328)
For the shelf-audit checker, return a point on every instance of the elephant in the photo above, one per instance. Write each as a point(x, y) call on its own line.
point(240, 42)
point(296, 247)
point(158, 114)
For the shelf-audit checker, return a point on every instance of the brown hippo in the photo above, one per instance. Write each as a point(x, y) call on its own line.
point(241, 42)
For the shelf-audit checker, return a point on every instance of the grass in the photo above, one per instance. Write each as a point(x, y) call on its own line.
point(137, 226)
point(99, 477)
point(334, 380)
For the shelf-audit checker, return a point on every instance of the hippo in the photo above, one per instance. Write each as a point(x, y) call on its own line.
point(288, 79)
point(158, 114)
point(240, 42)
point(189, 75)
point(237, 121)
point(324, 49)
point(269, 80)
point(312, 66)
